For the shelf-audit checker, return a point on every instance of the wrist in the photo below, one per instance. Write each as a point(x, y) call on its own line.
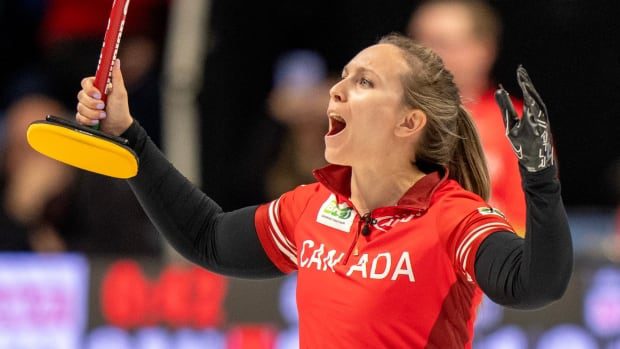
point(548, 174)
point(121, 127)
point(133, 134)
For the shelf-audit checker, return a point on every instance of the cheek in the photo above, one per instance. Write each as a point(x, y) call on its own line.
point(374, 114)
point(373, 123)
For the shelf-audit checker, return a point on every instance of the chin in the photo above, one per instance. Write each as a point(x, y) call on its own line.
point(335, 157)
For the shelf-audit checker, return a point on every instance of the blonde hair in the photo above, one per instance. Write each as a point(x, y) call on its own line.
point(450, 139)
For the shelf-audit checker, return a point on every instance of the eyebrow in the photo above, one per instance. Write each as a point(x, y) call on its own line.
point(360, 69)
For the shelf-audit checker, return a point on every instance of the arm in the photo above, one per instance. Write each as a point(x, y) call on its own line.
point(226, 243)
point(530, 272)
point(195, 225)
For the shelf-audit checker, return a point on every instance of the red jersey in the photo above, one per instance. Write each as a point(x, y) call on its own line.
point(506, 192)
point(408, 283)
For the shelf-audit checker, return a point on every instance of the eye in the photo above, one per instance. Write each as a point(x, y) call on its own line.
point(365, 82)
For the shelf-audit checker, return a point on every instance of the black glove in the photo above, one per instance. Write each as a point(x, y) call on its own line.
point(530, 135)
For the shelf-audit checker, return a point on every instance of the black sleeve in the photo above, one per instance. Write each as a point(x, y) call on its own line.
point(532, 272)
point(196, 226)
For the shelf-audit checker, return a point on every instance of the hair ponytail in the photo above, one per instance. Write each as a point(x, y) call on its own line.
point(468, 164)
point(449, 139)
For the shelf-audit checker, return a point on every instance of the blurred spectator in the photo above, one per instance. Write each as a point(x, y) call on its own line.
point(47, 206)
point(299, 101)
point(30, 185)
point(69, 42)
point(465, 33)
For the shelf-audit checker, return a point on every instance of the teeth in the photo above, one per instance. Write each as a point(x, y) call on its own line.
point(336, 117)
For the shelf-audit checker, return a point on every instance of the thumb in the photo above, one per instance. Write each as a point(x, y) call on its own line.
point(118, 84)
point(509, 115)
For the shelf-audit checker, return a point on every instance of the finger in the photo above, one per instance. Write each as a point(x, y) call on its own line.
point(118, 84)
point(89, 101)
point(530, 95)
point(509, 115)
point(88, 85)
point(526, 82)
point(81, 119)
point(92, 114)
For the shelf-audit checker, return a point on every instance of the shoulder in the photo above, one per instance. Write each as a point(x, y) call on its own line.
point(300, 197)
point(304, 192)
point(450, 197)
point(454, 206)
point(463, 221)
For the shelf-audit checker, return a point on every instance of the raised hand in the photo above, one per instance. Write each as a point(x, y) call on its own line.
point(114, 116)
point(529, 135)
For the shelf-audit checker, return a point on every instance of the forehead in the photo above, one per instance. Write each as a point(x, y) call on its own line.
point(385, 60)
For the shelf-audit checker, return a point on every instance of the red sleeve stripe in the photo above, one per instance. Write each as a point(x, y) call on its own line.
point(463, 251)
point(281, 241)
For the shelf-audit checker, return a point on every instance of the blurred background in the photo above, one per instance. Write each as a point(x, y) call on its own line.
point(235, 93)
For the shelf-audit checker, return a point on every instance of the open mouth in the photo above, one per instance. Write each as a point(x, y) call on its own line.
point(336, 124)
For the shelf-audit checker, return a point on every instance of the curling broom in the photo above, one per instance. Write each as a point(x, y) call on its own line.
point(86, 147)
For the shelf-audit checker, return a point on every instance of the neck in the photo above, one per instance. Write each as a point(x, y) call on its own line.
point(380, 186)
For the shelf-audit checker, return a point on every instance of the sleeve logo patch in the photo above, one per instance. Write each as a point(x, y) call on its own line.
point(490, 211)
point(335, 215)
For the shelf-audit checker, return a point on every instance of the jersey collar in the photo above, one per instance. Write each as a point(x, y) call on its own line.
point(337, 179)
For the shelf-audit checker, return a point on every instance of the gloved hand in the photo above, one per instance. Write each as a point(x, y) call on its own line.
point(530, 135)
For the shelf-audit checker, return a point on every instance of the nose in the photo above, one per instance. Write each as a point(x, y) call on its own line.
point(337, 93)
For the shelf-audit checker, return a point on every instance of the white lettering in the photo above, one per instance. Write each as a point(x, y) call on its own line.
point(407, 270)
point(406, 219)
point(316, 257)
point(330, 262)
point(388, 222)
point(386, 270)
point(360, 266)
point(309, 244)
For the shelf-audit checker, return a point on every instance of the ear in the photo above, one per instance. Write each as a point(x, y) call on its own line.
point(411, 123)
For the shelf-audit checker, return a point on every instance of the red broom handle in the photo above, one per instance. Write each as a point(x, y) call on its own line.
point(111, 41)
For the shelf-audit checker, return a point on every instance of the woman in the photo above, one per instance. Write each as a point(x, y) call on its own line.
point(394, 244)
